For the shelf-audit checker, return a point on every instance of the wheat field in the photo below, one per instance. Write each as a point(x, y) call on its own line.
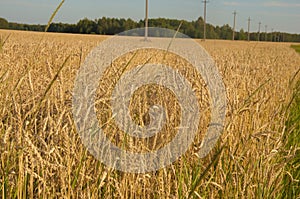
point(42, 155)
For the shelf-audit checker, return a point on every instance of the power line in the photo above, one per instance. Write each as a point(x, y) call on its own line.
point(259, 24)
point(146, 21)
point(272, 34)
point(204, 29)
point(234, 20)
point(266, 27)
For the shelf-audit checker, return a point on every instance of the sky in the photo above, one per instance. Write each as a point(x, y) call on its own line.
point(279, 15)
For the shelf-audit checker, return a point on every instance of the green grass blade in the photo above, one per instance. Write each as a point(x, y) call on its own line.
point(196, 183)
point(3, 41)
point(54, 14)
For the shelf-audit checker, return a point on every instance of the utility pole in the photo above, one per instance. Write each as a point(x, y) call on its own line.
point(266, 27)
point(234, 20)
point(146, 22)
point(272, 34)
point(249, 20)
point(204, 31)
point(259, 24)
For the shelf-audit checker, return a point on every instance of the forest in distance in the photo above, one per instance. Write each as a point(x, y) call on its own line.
point(194, 29)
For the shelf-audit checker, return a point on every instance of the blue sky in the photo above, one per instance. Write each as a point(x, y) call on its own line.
point(279, 15)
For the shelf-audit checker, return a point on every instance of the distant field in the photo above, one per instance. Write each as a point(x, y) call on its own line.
point(42, 155)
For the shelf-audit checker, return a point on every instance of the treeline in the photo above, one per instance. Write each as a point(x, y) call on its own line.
point(111, 26)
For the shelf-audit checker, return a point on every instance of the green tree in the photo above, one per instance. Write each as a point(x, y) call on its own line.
point(242, 35)
point(86, 26)
point(226, 32)
point(4, 23)
point(111, 26)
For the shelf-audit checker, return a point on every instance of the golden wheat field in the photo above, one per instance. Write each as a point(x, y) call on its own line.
point(42, 155)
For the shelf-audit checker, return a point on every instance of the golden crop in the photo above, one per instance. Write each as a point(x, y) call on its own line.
point(42, 155)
